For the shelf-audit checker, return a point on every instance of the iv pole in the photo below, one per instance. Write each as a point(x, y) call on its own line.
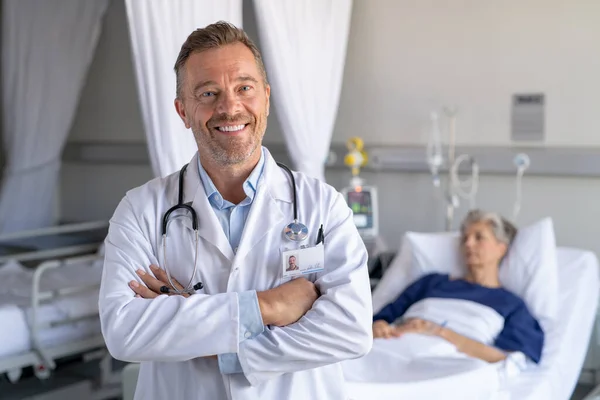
point(451, 197)
point(454, 188)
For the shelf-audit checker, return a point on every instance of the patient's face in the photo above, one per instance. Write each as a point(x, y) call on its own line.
point(480, 246)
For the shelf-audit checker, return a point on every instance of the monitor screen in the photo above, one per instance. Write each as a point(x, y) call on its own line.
point(361, 205)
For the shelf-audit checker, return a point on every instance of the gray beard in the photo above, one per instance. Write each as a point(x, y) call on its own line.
point(234, 153)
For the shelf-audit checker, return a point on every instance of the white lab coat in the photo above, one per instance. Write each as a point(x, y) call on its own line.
point(170, 335)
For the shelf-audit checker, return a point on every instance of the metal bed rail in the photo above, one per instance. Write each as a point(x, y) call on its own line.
point(57, 252)
point(39, 297)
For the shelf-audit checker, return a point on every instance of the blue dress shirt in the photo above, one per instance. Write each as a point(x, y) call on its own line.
point(232, 218)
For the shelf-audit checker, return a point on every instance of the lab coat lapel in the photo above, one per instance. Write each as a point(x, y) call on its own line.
point(265, 213)
point(209, 227)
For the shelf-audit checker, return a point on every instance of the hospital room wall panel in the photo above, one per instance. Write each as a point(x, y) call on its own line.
point(408, 201)
point(93, 191)
point(406, 58)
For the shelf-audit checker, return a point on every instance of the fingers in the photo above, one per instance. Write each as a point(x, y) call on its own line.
point(151, 282)
point(388, 332)
point(383, 330)
point(401, 330)
point(161, 275)
point(150, 288)
point(142, 291)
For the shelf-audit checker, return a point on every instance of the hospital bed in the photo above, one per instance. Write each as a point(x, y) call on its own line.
point(554, 378)
point(49, 299)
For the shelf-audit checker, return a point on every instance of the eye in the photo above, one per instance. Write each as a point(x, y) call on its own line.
point(207, 94)
point(245, 88)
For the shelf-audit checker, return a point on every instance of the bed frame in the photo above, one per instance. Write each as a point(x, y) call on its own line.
point(43, 359)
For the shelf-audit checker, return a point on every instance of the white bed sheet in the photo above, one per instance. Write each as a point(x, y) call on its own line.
point(556, 376)
point(567, 341)
point(15, 306)
point(418, 367)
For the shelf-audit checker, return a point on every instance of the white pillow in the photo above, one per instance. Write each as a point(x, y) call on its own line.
point(529, 270)
point(395, 279)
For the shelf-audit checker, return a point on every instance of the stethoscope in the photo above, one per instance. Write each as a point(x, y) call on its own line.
point(295, 231)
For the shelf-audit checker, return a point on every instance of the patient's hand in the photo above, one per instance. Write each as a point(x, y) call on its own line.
point(417, 325)
point(381, 329)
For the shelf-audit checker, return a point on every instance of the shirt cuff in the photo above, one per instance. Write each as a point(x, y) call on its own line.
point(250, 326)
point(251, 323)
point(229, 363)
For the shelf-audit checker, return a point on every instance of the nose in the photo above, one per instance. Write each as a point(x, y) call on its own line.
point(228, 104)
point(469, 242)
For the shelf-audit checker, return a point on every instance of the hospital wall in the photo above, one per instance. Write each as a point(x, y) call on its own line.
point(404, 58)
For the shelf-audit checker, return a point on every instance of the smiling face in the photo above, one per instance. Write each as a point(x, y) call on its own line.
point(292, 260)
point(225, 101)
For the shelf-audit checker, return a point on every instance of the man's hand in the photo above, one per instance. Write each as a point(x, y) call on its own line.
point(383, 330)
point(287, 303)
point(153, 283)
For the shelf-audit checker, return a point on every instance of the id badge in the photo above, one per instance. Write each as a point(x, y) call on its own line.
point(303, 261)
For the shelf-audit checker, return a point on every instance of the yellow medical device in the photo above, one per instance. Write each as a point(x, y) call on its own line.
point(356, 157)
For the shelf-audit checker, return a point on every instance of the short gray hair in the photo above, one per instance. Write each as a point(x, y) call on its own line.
point(211, 37)
point(503, 230)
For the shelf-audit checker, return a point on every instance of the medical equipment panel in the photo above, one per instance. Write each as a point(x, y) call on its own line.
point(362, 200)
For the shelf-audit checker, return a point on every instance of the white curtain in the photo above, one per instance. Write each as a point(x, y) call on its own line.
point(158, 28)
point(47, 47)
point(304, 46)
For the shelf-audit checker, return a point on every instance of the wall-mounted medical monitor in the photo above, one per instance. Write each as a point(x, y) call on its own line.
point(363, 203)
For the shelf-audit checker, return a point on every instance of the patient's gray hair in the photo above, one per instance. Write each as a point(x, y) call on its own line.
point(503, 230)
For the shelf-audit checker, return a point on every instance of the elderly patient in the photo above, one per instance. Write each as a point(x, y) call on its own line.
point(474, 313)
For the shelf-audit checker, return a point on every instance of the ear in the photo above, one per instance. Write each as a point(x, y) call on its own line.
point(503, 249)
point(268, 93)
point(181, 112)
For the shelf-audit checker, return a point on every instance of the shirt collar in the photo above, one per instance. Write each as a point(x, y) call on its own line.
point(250, 184)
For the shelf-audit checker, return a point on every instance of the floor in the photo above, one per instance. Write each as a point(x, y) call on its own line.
point(581, 391)
point(73, 380)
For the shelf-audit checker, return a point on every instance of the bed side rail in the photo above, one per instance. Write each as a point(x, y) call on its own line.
point(55, 230)
point(39, 297)
point(62, 251)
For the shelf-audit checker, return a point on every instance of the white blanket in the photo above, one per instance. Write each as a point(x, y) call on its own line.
point(468, 318)
point(419, 367)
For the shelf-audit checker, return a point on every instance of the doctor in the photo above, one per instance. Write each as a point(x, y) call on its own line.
point(248, 331)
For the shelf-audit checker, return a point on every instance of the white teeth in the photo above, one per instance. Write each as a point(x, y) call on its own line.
point(233, 128)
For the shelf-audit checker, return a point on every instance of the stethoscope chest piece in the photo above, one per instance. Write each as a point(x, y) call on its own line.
point(296, 231)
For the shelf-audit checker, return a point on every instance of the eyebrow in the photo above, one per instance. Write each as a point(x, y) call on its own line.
point(246, 78)
point(242, 78)
point(202, 84)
